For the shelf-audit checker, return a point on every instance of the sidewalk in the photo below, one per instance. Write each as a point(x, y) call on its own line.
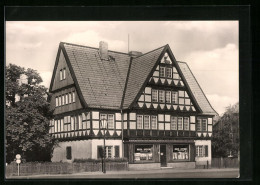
point(138, 172)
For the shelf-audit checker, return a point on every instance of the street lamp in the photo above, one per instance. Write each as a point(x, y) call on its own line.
point(103, 125)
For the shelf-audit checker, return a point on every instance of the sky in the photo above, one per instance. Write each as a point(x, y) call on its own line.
point(210, 48)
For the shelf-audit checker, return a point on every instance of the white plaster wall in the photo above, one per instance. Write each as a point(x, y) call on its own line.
point(203, 160)
point(100, 142)
point(79, 149)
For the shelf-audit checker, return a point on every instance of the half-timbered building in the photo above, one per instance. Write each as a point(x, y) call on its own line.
point(157, 113)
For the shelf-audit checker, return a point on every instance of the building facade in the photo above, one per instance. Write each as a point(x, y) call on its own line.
point(156, 112)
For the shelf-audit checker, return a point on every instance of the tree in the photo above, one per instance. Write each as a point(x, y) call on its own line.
point(27, 120)
point(225, 141)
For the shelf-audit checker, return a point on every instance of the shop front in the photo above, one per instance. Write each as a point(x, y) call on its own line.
point(160, 153)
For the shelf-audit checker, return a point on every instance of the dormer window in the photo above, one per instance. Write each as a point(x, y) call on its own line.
point(162, 71)
point(63, 74)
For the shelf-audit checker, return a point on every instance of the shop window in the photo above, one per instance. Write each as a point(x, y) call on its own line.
point(180, 152)
point(154, 95)
point(68, 153)
point(168, 96)
point(139, 122)
point(174, 97)
point(143, 153)
point(169, 72)
point(154, 122)
point(161, 96)
point(146, 122)
point(180, 123)
point(202, 151)
point(173, 123)
point(186, 123)
point(162, 72)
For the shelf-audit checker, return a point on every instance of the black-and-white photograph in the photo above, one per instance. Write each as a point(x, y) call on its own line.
point(122, 99)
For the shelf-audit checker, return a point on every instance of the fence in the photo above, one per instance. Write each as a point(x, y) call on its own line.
point(224, 163)
point(62, 168)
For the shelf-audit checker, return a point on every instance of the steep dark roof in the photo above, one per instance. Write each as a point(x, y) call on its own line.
point(196, 90)
point(101, 82)
point(141, 67)
point(116, 83)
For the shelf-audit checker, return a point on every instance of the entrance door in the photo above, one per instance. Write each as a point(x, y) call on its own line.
point(163, 155)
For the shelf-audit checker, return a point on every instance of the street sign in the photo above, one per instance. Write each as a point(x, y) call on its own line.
point(18, 161)
point(18, 156)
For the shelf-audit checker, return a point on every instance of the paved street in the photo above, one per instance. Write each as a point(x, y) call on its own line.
point(164, 173)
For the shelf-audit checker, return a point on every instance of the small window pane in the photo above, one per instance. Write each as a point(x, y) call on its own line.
point(139, 122)
point(161, 96)
point(154, 122)
point(162, 71)
point(168, 96)
point(146, 122)
point(180, 124)
point(173, 123)
point(155, 95)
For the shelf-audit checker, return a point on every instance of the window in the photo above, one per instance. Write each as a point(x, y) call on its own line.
point(180, 124)
point(57, 101)
point(55, 126)
point(154, 95)
point(173, 123)
point(143, 153)
point(139, 122)
point(174, 97)
point(72, 123)
point(168, 96)
point(73, 97)
point(61, 74)
point(204, 125)
point(116, 151)
point(146, 122)
point(63, 100)
point(80, 121)
point(154, 122)
point(180, 152)
point(201, 124)
point(66, 99)
point(61, 125)
point(110, 121)
point(76, 123)
point(202, 151)
point(58, 125)
point(69, 97)
point(162, 72)
point(108, 152)
point(161, 96)
point(186, 123)
point(68, 153)
point(64, 73)
point(99, 152)
point(169, 72)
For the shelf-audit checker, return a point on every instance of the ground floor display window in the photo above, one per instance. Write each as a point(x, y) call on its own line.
point(143, 153)
point(180, 152)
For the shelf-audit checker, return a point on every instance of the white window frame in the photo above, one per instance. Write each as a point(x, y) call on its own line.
point(180, 126)
point(155, 95)
point(146, 124)
point(162, 72)
point(186, 125)
point(111, 122)
point(154, 124)
point(161, 92)
point(169, 97)
point(139, 125)
point(174, 125)
point(175, 97)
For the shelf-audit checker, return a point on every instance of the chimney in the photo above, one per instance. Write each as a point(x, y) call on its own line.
point(135, 53)
point(103, 50)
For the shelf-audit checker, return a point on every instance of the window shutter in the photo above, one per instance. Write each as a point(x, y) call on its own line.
point(99, 152)
point(68, 152)
point(116, 151)
point(206, 150)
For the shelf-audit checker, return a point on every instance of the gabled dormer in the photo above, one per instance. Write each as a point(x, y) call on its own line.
point(166, 88)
